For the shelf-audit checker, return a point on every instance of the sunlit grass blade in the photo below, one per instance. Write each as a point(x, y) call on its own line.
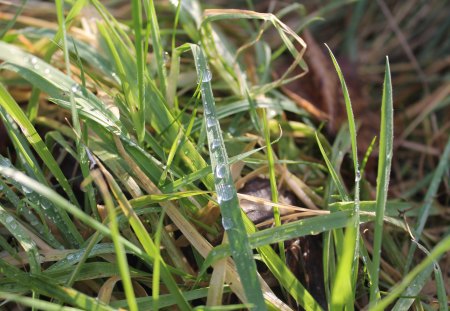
point(10, 105)
point(384, 170)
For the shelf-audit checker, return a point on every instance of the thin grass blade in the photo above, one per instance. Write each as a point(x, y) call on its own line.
point(384, 170)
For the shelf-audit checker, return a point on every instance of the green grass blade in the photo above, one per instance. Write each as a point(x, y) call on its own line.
point(384, 170)
point(118, 247)
point(335, 177)
point(46, 286)
point(9, 104)
point(347, 269)
point(428, 200)
point(157, 45)
point(441, 248)
point(15, 228)
point(140, 61)
point(35, 303)
point(226, 193)
point(145, 240)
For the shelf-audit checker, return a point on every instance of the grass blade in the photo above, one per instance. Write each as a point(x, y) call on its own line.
point(346, 269)
point(438, 250)
point(226, 193)
point(384, 169)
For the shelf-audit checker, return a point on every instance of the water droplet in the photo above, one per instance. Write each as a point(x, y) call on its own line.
point(207, 76)
point(75, 88)
point(166, 59)
point(215, 144)
point(34, 60)
point(210, 122)
point(70, 257)
point(13, 225)
point(9, 219)
point(47, 71)
point(358, 176)
point(26, 190)
point(227, 223)
point(36, 67)
point(221, 170)
point(224, 192)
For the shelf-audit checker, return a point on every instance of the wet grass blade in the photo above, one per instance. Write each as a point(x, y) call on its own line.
point(11, 107)
point(226, 193)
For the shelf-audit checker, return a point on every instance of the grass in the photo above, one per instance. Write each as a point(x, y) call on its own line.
point(120, 180)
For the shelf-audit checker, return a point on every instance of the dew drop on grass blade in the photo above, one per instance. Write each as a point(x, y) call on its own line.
point(226, 193)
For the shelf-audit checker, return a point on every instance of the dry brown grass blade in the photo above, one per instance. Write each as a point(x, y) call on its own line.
point(306, 105)
point(105, 292)
point(422, 109)
point(328, 82)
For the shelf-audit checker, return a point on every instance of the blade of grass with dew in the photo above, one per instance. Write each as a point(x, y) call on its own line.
point(299, 228)
point(226, 192)
point(33, 103)
point(20, 143)
point(119, 55)
point(236, 107)
point(59, 201)
point(441, 248)
point(57, 85)
point(344, 268)
point(47, 287)
point(35, 140)
point(384, 169)
point(17, 231)
point(12, 108)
